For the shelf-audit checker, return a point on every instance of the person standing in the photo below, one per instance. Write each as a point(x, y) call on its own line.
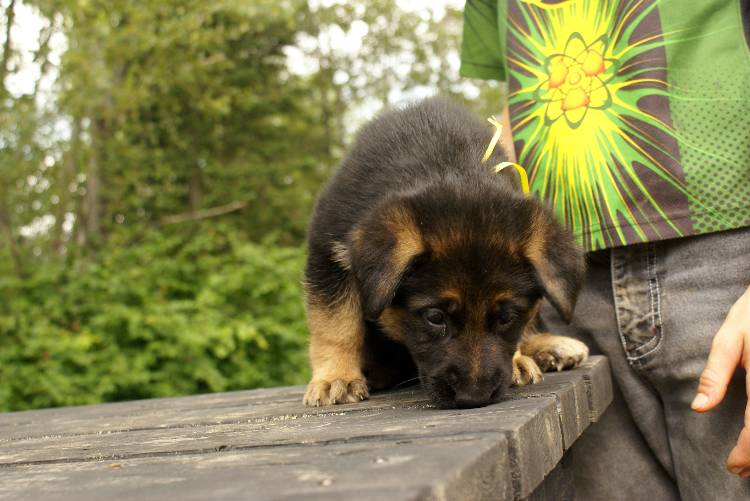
point(632, 119)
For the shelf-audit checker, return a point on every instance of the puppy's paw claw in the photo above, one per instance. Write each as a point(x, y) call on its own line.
point(559, 353)
point(525, 371)
point(338, 391)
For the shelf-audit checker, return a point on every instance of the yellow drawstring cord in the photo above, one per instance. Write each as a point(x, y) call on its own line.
point(502, 165)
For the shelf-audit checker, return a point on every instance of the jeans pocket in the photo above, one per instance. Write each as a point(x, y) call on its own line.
point(635, 285)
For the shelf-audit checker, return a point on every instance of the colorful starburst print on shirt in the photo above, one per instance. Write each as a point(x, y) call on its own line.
point(576, 81)
point(591, 105)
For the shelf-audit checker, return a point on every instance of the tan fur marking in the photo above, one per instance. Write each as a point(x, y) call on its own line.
point(502, 296)
point(442, 243)
point(336, 343)
point(554, 352)
point(452, 295)
point(499, 240)
point(358, 237)
point(419, 301)
point(535, 251)
point(525, 370)
point(392, 323)
point(408, 238)
point(475, 360)
point(336, 337)
point(530, 328)
point(408, 244)
point(341, 255)
point(536, 240)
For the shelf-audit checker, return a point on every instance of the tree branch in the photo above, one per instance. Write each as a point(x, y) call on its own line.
point(42, 54)
point(203, 214)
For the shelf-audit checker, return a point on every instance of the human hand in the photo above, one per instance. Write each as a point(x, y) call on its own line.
point(730, 349)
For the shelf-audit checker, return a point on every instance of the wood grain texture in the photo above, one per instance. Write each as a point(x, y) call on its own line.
point(264, 444)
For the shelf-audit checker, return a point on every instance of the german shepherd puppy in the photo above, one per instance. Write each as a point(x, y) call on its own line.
point(424, 263)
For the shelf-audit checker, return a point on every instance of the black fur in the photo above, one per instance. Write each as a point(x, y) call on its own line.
point(425, 161)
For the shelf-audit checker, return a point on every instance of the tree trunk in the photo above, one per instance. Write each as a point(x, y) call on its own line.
point(93, 184)
point(67, 174)
point(7, 230)
point(10, 17)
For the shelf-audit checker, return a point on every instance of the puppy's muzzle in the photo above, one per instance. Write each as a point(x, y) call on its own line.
point(452, 388)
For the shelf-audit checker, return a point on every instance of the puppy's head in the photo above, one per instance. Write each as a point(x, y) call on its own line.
point(456, 275)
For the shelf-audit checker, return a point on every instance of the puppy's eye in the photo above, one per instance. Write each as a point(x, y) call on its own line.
point(504, 315)
point(435, 317)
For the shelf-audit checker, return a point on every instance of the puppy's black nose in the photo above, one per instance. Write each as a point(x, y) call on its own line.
point(462, 403)
point(474, 396)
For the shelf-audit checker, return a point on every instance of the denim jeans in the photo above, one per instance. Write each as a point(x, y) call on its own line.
point(653, 309)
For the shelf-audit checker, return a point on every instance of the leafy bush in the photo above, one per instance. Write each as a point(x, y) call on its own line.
point(168, 316)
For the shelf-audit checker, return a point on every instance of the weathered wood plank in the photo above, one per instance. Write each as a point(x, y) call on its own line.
point(281, 403)
point(321, 428)
point(221, 408)
point(597, 376)
point(531, 426)
point(572, 403)
point(262, 437)
point(463, 467)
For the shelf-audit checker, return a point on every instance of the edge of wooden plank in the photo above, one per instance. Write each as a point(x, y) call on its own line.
point(598, 378)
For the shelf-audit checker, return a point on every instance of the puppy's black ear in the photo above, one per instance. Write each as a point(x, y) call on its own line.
point(381, 248)
point(558, 261)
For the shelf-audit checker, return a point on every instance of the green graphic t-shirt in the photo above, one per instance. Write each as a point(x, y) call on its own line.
point(632, 117)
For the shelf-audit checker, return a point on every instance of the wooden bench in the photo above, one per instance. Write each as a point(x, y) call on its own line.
point(264, 444)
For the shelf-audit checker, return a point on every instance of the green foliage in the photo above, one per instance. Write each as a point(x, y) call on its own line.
point(166, 317)
point(157, 179)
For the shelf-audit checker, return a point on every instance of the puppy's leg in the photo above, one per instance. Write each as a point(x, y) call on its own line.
point(336, 341)
point(525, 370)
point(554, 352)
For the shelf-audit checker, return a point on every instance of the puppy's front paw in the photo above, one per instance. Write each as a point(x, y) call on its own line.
point(337, 391)
point(556, 352)
point(525, 370)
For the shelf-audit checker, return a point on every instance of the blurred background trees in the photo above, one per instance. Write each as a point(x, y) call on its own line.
point(159, 160)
